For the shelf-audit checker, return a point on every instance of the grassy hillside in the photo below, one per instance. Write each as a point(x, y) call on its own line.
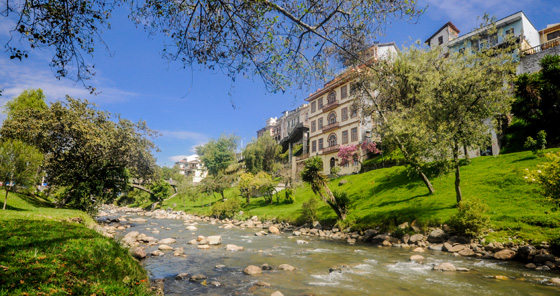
point(43, 253)
point(388, 197)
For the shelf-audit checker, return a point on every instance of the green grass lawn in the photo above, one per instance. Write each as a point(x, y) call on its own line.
point(42, 253)
point(388, 197)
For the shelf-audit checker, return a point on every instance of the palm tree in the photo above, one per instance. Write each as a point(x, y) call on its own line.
point(312, 175)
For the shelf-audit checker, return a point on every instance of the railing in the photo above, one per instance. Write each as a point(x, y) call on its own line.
point(331, 126)
point(331, 149)
point(330, 105)
point(547, 45)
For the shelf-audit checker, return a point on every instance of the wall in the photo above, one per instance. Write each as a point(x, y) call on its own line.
point(530, 63)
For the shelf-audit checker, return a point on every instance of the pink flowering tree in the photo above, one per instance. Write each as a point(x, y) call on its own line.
point(350, 153)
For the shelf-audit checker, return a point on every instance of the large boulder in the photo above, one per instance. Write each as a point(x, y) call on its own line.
point(215, 240)
point(505, 254)
point(457, 248)
point(274, 230)
point(541, 258)
point(369, 235)
point(139, 253)
point(417, 258)
point(445, 267)
point(165, 248)
point(436, 236)
point(286, 267)
point(527, 252)
point(167, 241)
point(182, 276)
point(467, 252)
point(416, 238)
point(252, 270)
point(157, 253)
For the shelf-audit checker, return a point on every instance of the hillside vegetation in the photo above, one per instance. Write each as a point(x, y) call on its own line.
point(47, 251)
point(387, 197)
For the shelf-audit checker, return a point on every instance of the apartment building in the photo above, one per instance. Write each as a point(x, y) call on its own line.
point(335, 118)
point(192, 166)
point(280, 128)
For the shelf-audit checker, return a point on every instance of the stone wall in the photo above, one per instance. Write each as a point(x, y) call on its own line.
point(530, 63)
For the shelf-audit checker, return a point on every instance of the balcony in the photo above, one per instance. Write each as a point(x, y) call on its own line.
point(302, 157)
point(330, 127)
point(331, 149)
point(330, 105)
point(547, 45)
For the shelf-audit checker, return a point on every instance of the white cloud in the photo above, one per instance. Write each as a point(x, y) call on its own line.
point(181, 157)
point(17, 76)
point(194, 138)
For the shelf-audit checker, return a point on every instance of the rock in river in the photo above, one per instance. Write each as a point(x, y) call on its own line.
point(445, 267)
point(505, 254)
point(233, 248)
point(167, 241)
point(214, 240)
point(252, 270)
point(139, 253)
point(165, 247)
point(286, 267)
point(417, 258)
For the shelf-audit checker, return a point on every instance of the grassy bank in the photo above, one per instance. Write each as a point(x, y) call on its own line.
point(43, 253)
point(388, 197)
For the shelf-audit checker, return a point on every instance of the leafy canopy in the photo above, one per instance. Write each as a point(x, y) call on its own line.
point(218, 154)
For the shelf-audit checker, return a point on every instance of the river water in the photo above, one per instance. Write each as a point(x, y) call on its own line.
point(369, 270)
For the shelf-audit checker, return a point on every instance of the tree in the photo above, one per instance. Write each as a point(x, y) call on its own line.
point(89, 152)
point(19, 165)
point(217, 184)
point(348, 153)
point(218, 154)
point(272, 39)
point(312, 174)
point(160, 189)
point(261, 154)
point(246, 186)
point(29, 99)
point(537, 98)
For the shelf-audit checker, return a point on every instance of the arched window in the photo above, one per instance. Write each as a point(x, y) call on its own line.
point(331, 119)
point(333, 162)
point(331, 97)
point(332, 140)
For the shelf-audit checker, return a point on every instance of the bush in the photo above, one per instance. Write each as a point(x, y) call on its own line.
point(471, 219)
point(547, 176)
point(309, 211)
point(536, 145)
point(227, 209)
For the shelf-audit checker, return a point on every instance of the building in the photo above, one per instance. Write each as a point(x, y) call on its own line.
point(549, 45)
point(516, 25)
point(335, 118)
point(192, 166)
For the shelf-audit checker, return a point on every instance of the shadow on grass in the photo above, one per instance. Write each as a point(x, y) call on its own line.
point(525, 158)
point(422, 213)
point(402, 200)
point(8, 207)
point(36, 201)
point(398, 178)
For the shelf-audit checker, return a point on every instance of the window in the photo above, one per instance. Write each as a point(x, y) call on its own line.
point(345, 137)
point(331, 97)
point(313, 127)
point(343, 92)
point(331, 119)
point(474, 45)
point(313, 105)
point(313, 146)
point(552, 35)
point(356, 163)
point(320, 103)
point(440, 40)
point(344, 112)
point(320, 123)
point(354, 134)
point(510, 31)
point(320, 144)
point(332, 140)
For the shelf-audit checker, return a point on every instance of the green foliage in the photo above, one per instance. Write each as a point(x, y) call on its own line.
point(218, 184)
point(30, 99)
point(262, 183)
point(334, 171)
point(226, 209)
point(471, 219)
point(161, 190)
point(218, 154)
point(91, 152)
point(19, 165)
point(261, 154)
point(342, 200)
point(547, 176)
point(309, 211)
point(536, 145)
point(312, 175)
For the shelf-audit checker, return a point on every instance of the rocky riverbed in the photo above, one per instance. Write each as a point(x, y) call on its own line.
point(166, 240)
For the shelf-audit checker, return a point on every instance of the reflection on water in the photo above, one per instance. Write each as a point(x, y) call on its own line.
point(359, 269)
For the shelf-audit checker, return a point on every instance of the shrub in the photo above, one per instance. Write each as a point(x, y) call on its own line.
point(471, 219)
point(547, 176)
point(342, 200)
point(227, 209)
point(536, 145)
point(309, 210)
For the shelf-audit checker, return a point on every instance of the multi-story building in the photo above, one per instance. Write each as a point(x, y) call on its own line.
point(280, 128)
point(192, 166)
point(335, 118)
point(549, 45)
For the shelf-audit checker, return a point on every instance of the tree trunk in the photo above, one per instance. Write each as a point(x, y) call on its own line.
point(425, 179)
point(5, 198)
point(467, 159)
point(340, 213)
point(457, 173)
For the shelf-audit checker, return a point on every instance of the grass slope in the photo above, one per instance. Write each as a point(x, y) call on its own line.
point(42, 253)
point(388, 197)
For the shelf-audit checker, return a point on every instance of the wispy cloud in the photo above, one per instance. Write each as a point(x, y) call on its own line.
point(17, 76)
point(180, 157)
point(194, 138)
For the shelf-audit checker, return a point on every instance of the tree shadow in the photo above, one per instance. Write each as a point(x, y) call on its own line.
point(402, 200)
point(395, 217)
point(531, 157)
point(35, 201)
point(398, 178)
point(8, 207)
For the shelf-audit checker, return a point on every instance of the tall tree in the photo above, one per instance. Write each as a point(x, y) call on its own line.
point(19, 165)
point(261, 154)
point(29, 99)
point(90, 152)
point(277, 40)
point(218, 154)
point(312, 174)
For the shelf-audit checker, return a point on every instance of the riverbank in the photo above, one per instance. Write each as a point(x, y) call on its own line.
point(389, 197)
point(204, 255)
point(47, 251)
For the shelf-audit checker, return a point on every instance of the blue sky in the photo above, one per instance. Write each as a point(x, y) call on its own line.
point(189, 106)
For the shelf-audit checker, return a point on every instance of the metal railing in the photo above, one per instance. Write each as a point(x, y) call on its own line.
point(331, 149)
point(541, 47)
point(331, 126)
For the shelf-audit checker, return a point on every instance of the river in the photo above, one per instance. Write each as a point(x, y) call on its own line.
point(366, 269)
